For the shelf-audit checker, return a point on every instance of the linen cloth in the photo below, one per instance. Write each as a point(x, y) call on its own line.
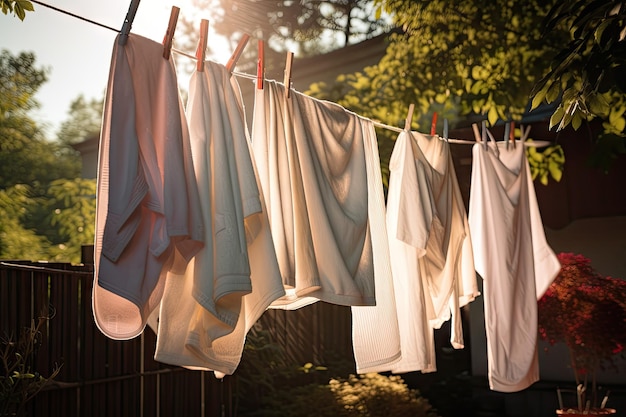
point(207, 312)
point(319, 169)
point(512, 256)
point(433, 267)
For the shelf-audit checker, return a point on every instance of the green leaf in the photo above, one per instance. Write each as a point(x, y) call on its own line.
point(556, 170)
point(619, 124)
point(553, 92)
point(557, 116)
point(492, 116)
point(538, 98)
point(19, 11)
point(576, 120)
point(598, 32)
point(598, 105)
point(27, 5)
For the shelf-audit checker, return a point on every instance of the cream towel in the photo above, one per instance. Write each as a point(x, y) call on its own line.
point(320, 173)
point(513, 257)
point(206, 313)
point(433, 266)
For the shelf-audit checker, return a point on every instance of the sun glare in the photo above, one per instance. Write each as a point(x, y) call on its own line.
point(153, 16)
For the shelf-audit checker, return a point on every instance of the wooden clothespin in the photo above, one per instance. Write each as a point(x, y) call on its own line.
point(169, 34)
point(201, 51)
point(287, 79)
point(433, 124)
point(445, 129)
point(128, 22)
point(260, 67)
point(491, 138)
point(476, 132)
point(230, 65)
point(409, 118)
point(525, 133)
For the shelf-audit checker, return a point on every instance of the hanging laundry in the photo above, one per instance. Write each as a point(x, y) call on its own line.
point(320, 173)
point(148, 218)
point(512, 256)
point(433, 268)
point(206, 312)
point(311, 164)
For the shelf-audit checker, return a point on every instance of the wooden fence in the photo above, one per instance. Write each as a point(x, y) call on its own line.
point(104, 377)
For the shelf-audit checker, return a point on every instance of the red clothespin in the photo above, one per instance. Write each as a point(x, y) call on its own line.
point(260, 68)
point(433, 125)
point(230, 65)
point(169, 34)
point(287, 79)
point(201, 51)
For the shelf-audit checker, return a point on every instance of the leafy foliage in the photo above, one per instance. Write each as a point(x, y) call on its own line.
point(19, 381)
point(357, 395)
point(85, 118)
point(16, 7)
point(268, 385)
point(457, 58)
point(586, 78)
point(285, 24)
point(546, 163)
point(587, 312)
point(44, 214)
point(17, 241)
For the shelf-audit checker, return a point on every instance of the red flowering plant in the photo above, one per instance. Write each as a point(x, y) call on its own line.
point(587, 312)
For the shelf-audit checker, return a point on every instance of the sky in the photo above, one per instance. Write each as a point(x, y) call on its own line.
point(78, 53)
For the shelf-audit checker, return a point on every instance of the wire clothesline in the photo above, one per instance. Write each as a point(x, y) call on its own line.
point(251, 76)
point(75, 15)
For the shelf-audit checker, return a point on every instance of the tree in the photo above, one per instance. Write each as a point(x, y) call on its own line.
point(479, 58)
point(463, 59)
point(84, 120)
point(16, 241)
point(310, 27)
point(586, 77)
point(45, 211)
point(16, 7)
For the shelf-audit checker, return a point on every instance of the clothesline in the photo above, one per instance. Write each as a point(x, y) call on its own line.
point(56, 9)
point(253, 77)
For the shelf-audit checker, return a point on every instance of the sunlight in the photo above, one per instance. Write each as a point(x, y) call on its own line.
point(153, 16)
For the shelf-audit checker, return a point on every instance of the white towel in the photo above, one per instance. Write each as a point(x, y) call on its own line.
point(433, 266)
point(320, 172)
point(206, 313)
point(312, 168)
point(513, 257)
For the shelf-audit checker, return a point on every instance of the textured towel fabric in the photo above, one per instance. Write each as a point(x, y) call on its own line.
point(206, 312)
point(433, 267)
point(320, 173)
point(312, 168)
point(148, 218)
point(375, 333)
point(513, 257)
